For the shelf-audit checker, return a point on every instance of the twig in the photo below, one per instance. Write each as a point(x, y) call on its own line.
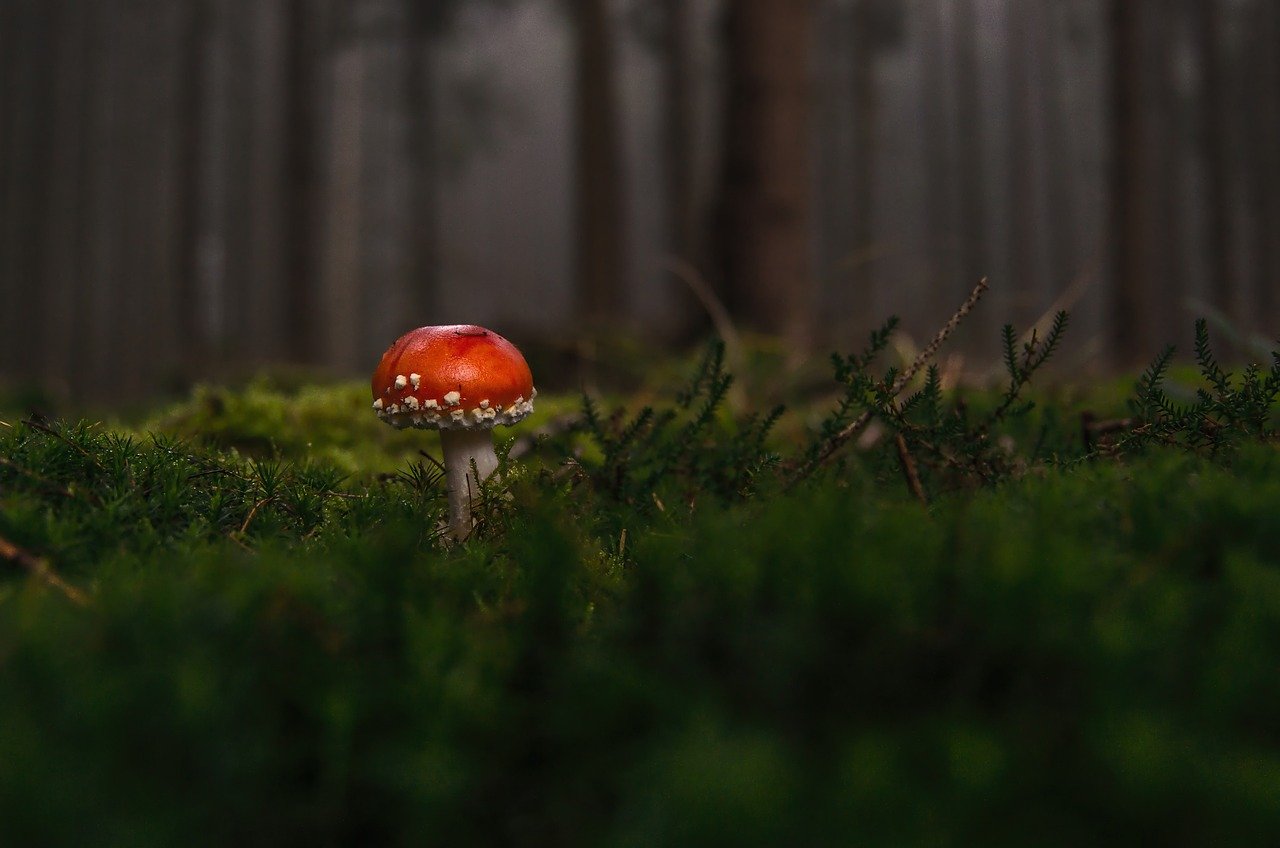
point(909, 470)
point(716, 311)
point(44, 428)
point(947, 329)
point(1077, 289)
point(431, 459)
point(854, 427)
point(41, 570)
point(252, 512)
point(720, 319)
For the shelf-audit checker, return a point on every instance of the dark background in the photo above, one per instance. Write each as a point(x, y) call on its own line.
point(194, 190)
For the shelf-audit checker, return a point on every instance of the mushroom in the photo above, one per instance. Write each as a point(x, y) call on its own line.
point(462, 380)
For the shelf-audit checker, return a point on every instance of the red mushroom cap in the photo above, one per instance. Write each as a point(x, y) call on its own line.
point(455, 376)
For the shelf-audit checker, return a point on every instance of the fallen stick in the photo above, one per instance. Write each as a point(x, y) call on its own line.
point(909, 470)
point(39, 568)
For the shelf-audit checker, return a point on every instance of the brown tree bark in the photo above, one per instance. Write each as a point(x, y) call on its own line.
point(192, 128)
point(340, 279)
point(939, 166)
point(1061, 238)
point(866, 118)
point(103, 288)
point(10, 35)
point(686, 242)
point(1263, 100)
point(1167, 261)
point(765, 215)
point(1022, 210)
point(1224, 290)
point(599, 212)
point(972, 184)
point(267, 204)
point(1270, 33)
point(1131, 285)
point(421, 105)
point(385, 277)
point(678, 128)
point(24, 171)
point(301, 177)
point(63, 253)
point(236, 24)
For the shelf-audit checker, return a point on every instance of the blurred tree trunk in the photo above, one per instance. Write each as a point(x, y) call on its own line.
point(156, 235)
point(24, 171)
point(1024, 234)
point(866, 118)
point(420, 101)
point(1214, 116)
point(1166, 263)
point(765, 217)
point(939, 167)
point(833, 130)
point(8, 68)
point(386, 279)
point(192, 130)
point(1261, 97)
point(63, 249)
point(235, 61)
point(685, 233)
point(303, 50)
point(971, 109)
point(266, 185)
point(11, 29)
point(598, 179)
point(678, 129)
point(1267, 36)
point(100, 195)
point(373, 282)
point(1062, 241)
point(1131, 334)
point(340, 302)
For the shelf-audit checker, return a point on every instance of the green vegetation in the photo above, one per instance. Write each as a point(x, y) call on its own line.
point(240, 624)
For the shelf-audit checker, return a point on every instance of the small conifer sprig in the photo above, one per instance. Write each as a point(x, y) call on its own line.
point(927, 429)
point(1035, 353)
point(683, 450)
point(831, 441)
point(1227, 408)
point(956, 450)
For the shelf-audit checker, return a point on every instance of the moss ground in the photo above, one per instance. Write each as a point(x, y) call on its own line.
point(268, 642)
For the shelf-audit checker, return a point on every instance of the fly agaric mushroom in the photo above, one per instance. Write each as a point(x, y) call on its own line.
point(462, 380)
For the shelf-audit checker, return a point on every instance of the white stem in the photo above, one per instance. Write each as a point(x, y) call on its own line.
point(461, 448)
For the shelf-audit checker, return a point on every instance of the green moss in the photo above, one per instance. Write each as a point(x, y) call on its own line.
point(279, 647)
point(330, 424)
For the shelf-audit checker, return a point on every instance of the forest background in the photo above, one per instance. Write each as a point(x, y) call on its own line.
point(198, 190)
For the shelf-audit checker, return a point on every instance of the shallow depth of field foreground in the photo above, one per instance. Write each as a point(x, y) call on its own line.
point(988, 622)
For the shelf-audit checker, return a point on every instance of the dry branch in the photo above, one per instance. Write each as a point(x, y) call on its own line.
point(39, 568)
point(854, 427)
point(909, 470)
